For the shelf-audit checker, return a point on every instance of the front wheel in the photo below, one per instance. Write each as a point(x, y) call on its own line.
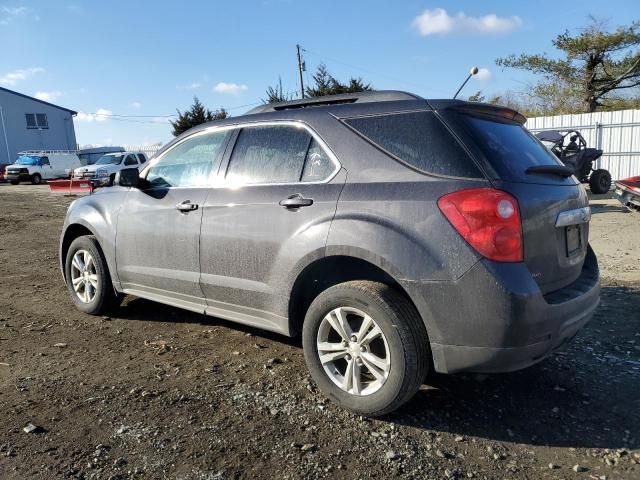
point(365, 346)
point(87, 277)
point(36, 179)
point(14, 182)
point(600, 181)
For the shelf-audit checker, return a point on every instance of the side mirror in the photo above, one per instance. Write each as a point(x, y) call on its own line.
point(127, 177)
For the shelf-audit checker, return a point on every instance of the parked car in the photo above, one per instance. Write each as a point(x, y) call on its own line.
point(627, 192)
point(36, 166)
point(89, 156)
point(397, 235)
point(3, 167)
point(105, 169)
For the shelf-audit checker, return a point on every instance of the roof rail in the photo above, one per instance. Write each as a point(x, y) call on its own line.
point(45, 152)
point(359, 97)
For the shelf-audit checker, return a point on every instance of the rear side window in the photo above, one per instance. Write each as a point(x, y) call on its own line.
point(142, 158)
point(418, 139)
point(270, 154)
point(130, 160)
point(509, 147)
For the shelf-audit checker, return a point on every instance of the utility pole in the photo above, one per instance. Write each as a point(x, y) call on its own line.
point(300, 70)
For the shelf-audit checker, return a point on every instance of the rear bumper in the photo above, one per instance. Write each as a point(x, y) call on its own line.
point(495, 319)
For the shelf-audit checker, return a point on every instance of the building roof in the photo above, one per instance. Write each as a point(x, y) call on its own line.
point(73, 112)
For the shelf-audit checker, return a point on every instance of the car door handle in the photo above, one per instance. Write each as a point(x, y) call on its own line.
point(186, 206)
point(296, 201)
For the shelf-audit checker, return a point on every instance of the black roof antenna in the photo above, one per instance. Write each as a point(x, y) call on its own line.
point(472, 72)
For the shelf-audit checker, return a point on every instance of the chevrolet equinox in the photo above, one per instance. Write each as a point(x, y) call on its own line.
point(397, 235)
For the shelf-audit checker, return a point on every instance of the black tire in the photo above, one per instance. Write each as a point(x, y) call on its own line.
point(105, 297)
point(406, 338)
point(14, 182)
point(36, 179)
point(600, 181)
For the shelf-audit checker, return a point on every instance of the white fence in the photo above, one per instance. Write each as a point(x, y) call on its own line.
point(149, 150)
point(616, 133)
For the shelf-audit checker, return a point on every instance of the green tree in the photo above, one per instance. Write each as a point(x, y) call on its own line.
point(276, 94)
point(196, 115)
point(593, 66)
point(325, 84)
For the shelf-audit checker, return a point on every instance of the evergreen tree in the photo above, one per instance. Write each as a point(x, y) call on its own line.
point(595, 66)
point(326, 84)
point(196, 115)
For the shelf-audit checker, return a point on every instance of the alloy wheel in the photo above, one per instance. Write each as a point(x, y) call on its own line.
point(84, 276)
point(353, 351)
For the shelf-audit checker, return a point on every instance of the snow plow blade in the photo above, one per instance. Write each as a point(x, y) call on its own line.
point(71, 187)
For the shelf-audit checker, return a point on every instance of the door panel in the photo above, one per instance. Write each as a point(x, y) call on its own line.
point(158, 232)
point(157, 245)
point(250, 244)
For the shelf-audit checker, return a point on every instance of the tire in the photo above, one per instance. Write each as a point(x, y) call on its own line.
point(600, 181)
point(36, 179)
point(14, 182)
point(403, 346)
point(99, 284)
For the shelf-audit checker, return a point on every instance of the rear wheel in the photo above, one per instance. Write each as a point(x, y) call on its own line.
point(88, 277)
point(36, 179)
point(365, 346)
point(600, 181)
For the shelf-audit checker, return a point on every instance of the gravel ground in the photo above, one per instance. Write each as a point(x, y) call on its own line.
point(156, 392)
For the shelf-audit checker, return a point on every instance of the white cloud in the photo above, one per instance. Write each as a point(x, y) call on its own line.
point(100, 115)
point(135, 105)
point(189, 86)
point(48, 96)
point(483, 74)
point(230, 88)
point(438, 21)
point(13, 78)
point(8, 14)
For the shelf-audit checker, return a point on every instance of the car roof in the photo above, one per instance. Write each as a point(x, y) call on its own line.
point(353, 104)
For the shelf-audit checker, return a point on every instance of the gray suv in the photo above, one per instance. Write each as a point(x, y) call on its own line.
point(399, 236)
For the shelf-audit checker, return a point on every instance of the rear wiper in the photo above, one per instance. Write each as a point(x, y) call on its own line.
point(550, 169)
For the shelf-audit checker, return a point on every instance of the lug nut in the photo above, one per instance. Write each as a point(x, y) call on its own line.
point(348, 357)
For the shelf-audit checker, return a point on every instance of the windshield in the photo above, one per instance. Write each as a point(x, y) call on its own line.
point(27, 160)
point(110, 160)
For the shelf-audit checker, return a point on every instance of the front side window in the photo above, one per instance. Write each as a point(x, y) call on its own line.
point(189, 163)
point(418, 139)
point(277, 154)
point(44, 161)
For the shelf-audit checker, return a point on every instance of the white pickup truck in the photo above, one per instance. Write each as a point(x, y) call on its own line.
point(104, 170)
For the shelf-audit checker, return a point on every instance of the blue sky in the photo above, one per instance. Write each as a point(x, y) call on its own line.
point(134, 63)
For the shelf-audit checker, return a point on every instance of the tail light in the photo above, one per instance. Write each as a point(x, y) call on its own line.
point(488, 219)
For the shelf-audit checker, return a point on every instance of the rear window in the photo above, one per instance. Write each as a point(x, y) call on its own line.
point(418, 139)
point(509, 147)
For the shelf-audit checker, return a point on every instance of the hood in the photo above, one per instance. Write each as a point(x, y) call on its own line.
point(94, 168)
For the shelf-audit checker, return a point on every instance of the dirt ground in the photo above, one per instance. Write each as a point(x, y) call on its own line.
point(155, 392)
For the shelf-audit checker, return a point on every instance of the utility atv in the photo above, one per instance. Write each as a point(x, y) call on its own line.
point(576, 155)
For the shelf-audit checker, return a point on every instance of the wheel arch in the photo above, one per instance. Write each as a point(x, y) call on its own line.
point(331, 270)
